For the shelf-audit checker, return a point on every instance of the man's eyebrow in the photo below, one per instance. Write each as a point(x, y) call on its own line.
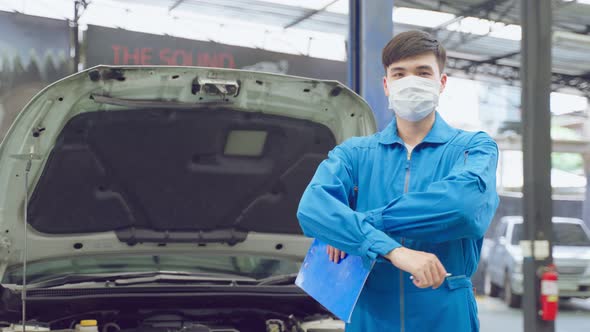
point(425, 67)
point(397, 69)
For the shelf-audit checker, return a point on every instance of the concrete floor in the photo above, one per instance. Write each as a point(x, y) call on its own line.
point(494, 316)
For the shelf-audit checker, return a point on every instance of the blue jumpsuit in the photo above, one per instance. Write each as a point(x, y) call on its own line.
point(370, 196)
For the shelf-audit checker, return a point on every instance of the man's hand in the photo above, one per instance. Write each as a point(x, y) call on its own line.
point(335, 254)
point(425, 267)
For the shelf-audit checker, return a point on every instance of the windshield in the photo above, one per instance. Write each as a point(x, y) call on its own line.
point(257, 267)
point(565, 234)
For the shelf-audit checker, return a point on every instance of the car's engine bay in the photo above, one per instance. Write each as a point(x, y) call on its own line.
point(186, 321)
point(165, 313)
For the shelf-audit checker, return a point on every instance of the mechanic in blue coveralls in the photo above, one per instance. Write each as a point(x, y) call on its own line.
point(420, 194)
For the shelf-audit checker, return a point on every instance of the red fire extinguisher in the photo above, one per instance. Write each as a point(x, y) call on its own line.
point(549, 293)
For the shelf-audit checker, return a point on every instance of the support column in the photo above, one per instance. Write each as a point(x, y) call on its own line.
point(586, 203)
point(586, 157)
point(370, 28)
point(536, 143)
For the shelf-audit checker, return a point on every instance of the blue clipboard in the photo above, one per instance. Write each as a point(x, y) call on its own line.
point(335, 286)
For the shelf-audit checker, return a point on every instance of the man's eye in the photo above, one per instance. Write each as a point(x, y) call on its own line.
point(398, 75)
point(425, 74)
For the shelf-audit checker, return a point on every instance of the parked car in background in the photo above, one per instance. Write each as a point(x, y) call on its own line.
point(571, 255)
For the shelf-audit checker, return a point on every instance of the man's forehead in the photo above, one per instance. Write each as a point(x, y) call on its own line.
point(422, 61)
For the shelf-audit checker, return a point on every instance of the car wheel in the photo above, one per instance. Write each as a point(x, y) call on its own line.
point(489, 287)
point(511, 299)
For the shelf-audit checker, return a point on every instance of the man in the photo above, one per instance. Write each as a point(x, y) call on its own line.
point(418, 196)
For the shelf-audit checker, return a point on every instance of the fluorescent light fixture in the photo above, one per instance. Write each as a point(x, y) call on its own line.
point(471, 25)
point(308, 4)
point(482, 27)
point(511, 31)
point(340, 7)
point(419, 17)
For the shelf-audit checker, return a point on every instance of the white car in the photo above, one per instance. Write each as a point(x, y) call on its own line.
point(164, 199)
point(571, 255)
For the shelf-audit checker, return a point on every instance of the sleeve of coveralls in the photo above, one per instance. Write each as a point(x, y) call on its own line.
point(324, 211)
point(461, 205)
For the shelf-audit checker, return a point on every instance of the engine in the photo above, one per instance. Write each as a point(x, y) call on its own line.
point(184, 322)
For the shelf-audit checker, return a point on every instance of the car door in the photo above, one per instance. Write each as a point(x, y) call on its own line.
point(511, 238)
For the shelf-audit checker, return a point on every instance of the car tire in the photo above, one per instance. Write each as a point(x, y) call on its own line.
point(511, 299)
point(490, 289)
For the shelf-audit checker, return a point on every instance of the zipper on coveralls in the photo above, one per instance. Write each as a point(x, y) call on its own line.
point(353, 201)
point(401, 273)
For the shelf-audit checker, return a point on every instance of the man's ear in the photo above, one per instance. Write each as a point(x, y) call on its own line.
point(443, 82)
point(385, 88)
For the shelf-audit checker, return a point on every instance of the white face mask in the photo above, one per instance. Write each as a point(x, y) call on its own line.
point(412, 98)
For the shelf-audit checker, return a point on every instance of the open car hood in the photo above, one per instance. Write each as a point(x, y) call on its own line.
point(153, 159)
